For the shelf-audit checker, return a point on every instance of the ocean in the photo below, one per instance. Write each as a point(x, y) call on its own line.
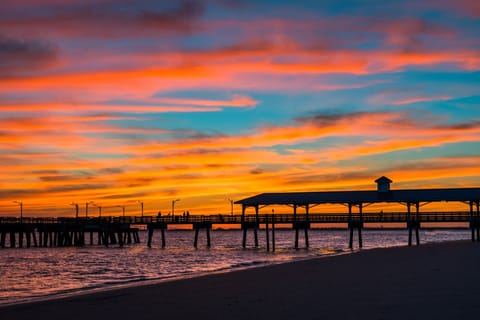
point(41, 273)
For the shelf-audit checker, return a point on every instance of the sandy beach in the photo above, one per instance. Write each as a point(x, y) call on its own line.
point(434, 281)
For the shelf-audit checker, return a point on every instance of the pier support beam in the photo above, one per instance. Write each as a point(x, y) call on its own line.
point(245, 227)
point(163, 237)
point(299, 225)
point(355, 224)
point(478, 220)
point(273, 232)
point(150, 228)
point(250, 225)
point(20, 239)
point(35, 244)
point(474, 222)
point(255, 230)
point(413, 223)
point(2, 239)
point(12, 239)
point(202, 225)
point(150, 235)
point(267, 235)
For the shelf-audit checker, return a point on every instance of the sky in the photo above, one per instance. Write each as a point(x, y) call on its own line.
point(204, 101)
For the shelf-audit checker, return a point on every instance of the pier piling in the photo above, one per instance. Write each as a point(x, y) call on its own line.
point(202, 225)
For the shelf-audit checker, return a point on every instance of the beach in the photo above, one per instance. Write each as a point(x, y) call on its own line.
point(432, 281)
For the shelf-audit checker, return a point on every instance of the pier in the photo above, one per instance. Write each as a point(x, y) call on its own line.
point(61, 232)
point(356, 201)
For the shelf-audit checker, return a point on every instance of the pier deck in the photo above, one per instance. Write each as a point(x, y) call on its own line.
point(113, 230)
point(65, 231)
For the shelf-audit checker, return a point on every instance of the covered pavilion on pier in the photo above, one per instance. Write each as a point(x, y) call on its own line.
point(359, 199)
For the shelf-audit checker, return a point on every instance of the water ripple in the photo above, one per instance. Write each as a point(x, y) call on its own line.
point(29, 274)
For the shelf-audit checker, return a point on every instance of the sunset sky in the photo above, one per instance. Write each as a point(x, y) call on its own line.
point(205, 101)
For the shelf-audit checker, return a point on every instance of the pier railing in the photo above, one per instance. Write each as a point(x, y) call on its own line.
point(110, 230)
point(392, 217)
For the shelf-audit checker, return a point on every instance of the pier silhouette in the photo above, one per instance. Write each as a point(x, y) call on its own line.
point(60, 232)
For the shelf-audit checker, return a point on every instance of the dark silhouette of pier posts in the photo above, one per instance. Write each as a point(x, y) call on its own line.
point(255, 229)
point(50, 238)
point(270, 220)
point(355, 224)
point(163, 237)
point(307, 225)
point(20, 238)
point(360, 225)
point(2, 238)
point(242, 221)
point(267, 234)
point(120, 238)
point(350, 226)
point(478, 220)
point(40, 242)
point(150, 229)
point(202, 225)
point(413, 223)
point(304, 224)
point(294, 224)
point(250, 225)
point(129, 234)
point(195, 241)
point(208, 236)
point(417, 224)
point(100, 237)
point(409, 224)
point(270, 223)
point(475, 220)
point(273, 232)
point(29, 239)
point(150, 235)
point(12, 239)
point(35, 244)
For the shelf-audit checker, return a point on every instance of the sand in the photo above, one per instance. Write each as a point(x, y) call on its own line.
point(434, 281)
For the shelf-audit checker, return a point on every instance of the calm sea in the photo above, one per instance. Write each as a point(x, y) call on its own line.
point(38, 273)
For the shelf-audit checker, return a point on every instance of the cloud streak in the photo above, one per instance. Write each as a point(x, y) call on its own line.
point(105, 20)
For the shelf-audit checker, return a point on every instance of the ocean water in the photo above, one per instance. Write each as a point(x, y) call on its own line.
point(39, 273)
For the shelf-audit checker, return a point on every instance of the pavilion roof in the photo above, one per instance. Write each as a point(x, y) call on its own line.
point(373, 196)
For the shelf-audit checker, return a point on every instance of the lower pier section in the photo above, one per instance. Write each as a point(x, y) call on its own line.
point(197, 226)
point(475, 229)
point(66, 235)
point(110, 231)
point(299, 226)
point(151, 227)
point(18, 234)
point(247, 226)
point(352, 225)
point(202, 225)
point(413, 225)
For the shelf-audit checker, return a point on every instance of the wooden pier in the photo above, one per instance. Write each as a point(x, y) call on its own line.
point(358, 200)
point(61, 232)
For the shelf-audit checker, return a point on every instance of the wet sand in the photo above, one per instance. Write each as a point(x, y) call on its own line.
point(434, 281)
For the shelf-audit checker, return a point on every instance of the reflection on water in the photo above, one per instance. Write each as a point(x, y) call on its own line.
point(39, 272)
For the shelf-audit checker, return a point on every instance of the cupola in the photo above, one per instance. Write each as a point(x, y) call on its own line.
point(383, 184)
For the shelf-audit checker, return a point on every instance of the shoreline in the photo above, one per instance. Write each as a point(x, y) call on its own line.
point(435, 280)
point(155, 281)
